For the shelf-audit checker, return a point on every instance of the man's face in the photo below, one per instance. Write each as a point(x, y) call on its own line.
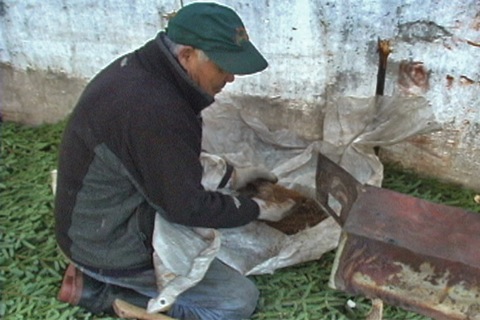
point(205, 73)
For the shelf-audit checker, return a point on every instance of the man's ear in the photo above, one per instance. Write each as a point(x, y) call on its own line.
point(185, 56)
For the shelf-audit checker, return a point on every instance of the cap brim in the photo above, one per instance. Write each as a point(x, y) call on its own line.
point(247, 61)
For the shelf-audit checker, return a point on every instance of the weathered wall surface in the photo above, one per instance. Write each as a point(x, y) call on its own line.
point(50, 48)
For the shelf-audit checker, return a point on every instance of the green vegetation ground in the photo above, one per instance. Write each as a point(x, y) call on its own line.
point(31, 266)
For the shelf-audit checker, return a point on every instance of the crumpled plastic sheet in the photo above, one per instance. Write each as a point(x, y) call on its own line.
point(357, 125)
point(181, 258)
point(352, 128)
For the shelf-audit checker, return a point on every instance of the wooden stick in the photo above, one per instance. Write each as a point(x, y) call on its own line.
point(376, 313)
point(129, 311)
point(384, 49)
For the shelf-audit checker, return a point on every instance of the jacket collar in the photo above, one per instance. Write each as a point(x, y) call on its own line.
point(159, 60)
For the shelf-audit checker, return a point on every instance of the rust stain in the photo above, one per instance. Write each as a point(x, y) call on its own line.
point(413, 281)
point(475, 44)
point(466, 80)
point(424, 143)
point(420, 140)
point(449, 81)
point(411, 253)
point(413, 77)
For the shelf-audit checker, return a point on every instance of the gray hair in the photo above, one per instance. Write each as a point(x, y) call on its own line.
point(175, 49)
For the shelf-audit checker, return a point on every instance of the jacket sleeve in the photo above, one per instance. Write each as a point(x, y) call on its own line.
point(164, 157)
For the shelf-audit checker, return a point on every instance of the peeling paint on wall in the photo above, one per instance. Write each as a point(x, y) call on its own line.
point(316, 49)
point(427, 31)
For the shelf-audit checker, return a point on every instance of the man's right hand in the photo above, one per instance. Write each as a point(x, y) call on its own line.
point(273, 211)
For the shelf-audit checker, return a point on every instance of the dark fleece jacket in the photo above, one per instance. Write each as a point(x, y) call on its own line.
point(131, 149)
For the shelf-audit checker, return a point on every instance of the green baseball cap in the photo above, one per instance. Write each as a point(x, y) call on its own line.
point(219, 32)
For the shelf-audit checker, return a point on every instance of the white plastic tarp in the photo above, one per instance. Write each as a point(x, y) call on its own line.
point(352, 128)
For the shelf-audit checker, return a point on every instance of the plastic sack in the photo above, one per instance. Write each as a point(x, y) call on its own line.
point(352, 127)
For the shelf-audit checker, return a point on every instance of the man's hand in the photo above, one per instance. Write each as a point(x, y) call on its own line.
point(273, 211)
point(243, 176)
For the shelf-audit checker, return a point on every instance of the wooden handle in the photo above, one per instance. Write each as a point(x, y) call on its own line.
point(128, 311)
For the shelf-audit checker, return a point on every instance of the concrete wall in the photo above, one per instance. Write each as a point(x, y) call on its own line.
point(316, 48)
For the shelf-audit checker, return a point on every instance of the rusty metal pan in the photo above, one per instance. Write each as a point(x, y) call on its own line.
point(411, 253)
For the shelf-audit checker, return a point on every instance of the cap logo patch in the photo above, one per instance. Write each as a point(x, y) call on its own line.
point(240, 35)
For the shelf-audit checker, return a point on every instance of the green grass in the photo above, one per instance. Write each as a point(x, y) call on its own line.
point(31, 266)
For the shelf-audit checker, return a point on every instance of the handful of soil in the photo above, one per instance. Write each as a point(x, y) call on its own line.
point(306, 212)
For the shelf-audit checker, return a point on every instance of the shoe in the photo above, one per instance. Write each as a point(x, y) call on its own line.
point(72, 286)
point(93, 295)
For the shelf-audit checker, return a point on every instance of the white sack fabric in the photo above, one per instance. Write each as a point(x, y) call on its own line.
point(352, 128)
